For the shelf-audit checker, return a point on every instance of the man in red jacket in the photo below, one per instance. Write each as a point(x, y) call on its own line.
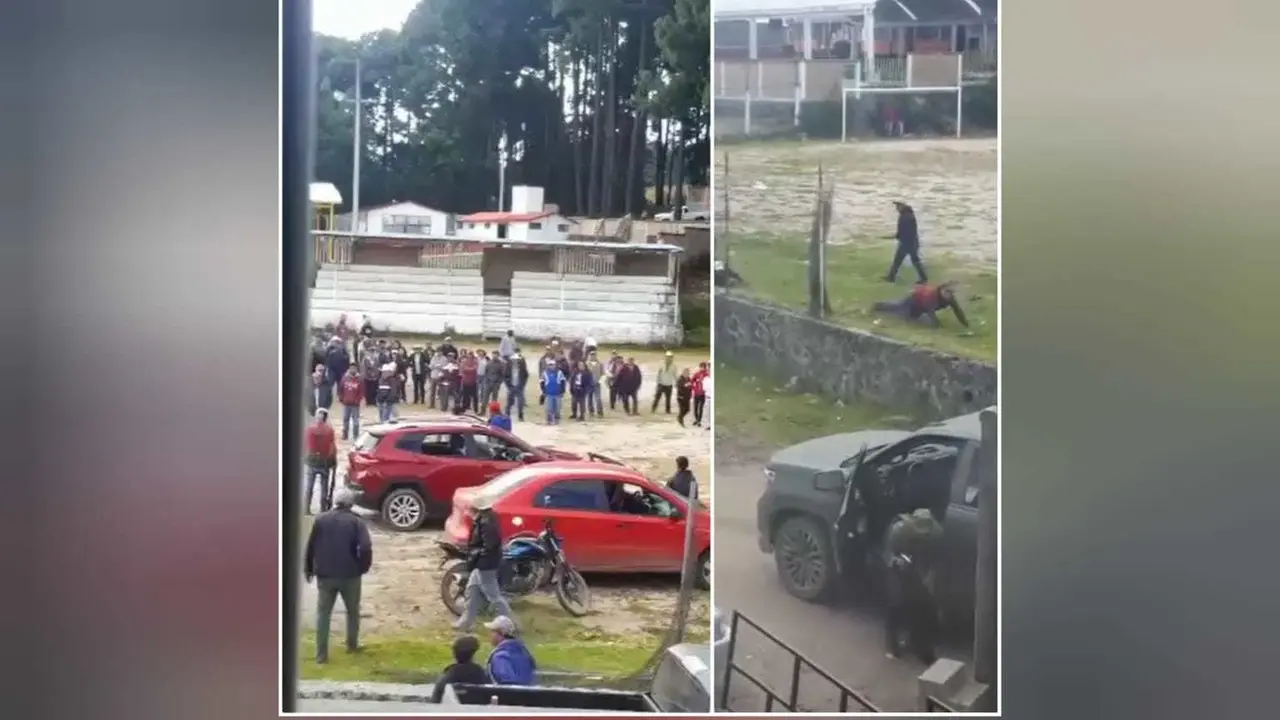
point(351, 394)
point(924, 301)
point(322, 456)
point(699, 393)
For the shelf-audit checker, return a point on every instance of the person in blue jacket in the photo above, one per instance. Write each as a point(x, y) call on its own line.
point(496, 418)
point(553, 382)
point(510, 663)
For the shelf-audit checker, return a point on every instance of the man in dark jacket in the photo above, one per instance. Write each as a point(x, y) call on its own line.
point(336, 359)
point(464, 669)
point(419, 370)
point(517, 377)
point(628, 381)
point(910, 548)
point(683, 480)
point(495, 372)
point(484, 548)
point(908, 237)
point(339, 552)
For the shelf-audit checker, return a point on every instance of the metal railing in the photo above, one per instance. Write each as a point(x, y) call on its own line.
point(798, 662)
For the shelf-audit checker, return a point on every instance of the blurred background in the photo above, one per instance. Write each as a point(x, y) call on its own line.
point(142, 274)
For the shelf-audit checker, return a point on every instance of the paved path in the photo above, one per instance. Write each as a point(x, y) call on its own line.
point(847, 643)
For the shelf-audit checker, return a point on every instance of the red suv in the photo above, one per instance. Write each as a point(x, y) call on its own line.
point(408, 470)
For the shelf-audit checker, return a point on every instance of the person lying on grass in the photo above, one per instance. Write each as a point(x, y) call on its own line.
point(925, 300)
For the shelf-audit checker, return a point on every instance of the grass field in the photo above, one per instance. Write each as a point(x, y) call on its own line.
point(558, 642)
point(775, 268)
point(754, 411)
point(770, 189)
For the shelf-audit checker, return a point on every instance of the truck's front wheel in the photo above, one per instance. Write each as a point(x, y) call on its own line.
point(802, 552)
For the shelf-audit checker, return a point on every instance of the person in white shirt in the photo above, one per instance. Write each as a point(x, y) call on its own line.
point(706, 391)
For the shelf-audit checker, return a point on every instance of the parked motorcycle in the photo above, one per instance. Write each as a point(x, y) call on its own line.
point(529, 562)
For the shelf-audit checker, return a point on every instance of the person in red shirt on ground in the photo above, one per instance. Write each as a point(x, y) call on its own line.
point(699, 393)
point(351, 394)
point(925, 300)
point(322, 456)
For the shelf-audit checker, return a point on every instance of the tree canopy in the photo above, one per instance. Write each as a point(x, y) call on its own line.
point(597, 101)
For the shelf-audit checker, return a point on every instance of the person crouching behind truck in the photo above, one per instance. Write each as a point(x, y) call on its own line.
point(510, 663)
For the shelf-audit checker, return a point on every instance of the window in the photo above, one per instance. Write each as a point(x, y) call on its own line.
point(486, 226)
point(563, 227)
point(535, 226)
point(411, 442)
point(407, 224)
point(929, 32)
point(444, 445)
point(366, 442)
point(635, 500)
point(573, 495)
point(491, 447)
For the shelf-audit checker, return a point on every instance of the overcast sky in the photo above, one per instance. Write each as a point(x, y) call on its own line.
point(353, 18)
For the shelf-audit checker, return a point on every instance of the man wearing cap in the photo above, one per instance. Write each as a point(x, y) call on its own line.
point(595, 401)
point(322, 455)
point(339, 552)
point(447, 347)
point(667, 376)
point(517, 377)
point(510, 662)
point(484, 556)
point(908, 237)
point(910, 549)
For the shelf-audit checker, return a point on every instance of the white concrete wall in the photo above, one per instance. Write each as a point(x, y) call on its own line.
point(549, 230)
point(372, 221)
point(612, 309)
point(403, 299)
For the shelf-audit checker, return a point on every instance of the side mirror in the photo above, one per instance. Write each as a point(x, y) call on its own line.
point(833, 480)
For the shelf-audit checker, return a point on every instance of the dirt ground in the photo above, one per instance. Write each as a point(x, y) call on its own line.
point(951, 183)
point(401, 592)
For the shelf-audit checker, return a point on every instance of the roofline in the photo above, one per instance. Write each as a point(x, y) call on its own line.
point(576, 244)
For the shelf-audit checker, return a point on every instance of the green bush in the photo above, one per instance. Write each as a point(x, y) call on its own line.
point(695, 318)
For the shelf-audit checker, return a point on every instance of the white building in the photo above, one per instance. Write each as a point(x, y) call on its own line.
point(529, 220)
point(402, 218)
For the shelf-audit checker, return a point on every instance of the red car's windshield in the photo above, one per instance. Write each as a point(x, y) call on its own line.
point(493, 490)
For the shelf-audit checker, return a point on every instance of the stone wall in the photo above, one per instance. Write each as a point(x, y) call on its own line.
point(851, 365)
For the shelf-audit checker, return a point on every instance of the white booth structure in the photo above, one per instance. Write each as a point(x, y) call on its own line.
point(613, 292)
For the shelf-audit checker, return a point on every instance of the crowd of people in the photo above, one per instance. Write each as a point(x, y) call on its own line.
point(358, 369)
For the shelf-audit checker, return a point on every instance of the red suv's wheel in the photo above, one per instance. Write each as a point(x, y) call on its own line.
point(404, 509)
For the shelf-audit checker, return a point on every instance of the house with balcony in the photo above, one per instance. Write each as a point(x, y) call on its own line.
point(805, 50)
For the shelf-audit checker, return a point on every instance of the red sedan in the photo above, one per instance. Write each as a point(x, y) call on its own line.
point(408, 470)
point(610, 517)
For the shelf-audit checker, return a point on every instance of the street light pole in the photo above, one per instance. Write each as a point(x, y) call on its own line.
point(355, 157)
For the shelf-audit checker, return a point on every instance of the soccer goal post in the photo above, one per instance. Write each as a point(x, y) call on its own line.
point(930, 101)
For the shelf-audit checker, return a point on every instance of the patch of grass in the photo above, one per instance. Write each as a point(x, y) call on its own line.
point(752, 410)
point(558, 642)
point(775, 269)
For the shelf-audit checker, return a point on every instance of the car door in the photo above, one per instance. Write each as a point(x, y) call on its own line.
point(496, 453)
point(579, 509)
point(453, 468)
point(652, 541)
point(956, 574)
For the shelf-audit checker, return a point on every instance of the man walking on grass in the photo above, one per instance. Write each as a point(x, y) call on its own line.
point(484, 556)
point(908, 237)
point(339, 552)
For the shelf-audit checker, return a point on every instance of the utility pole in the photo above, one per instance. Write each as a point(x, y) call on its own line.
point(690, 567)
point(355, 156)
point(985, 646)
point(502, 170)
